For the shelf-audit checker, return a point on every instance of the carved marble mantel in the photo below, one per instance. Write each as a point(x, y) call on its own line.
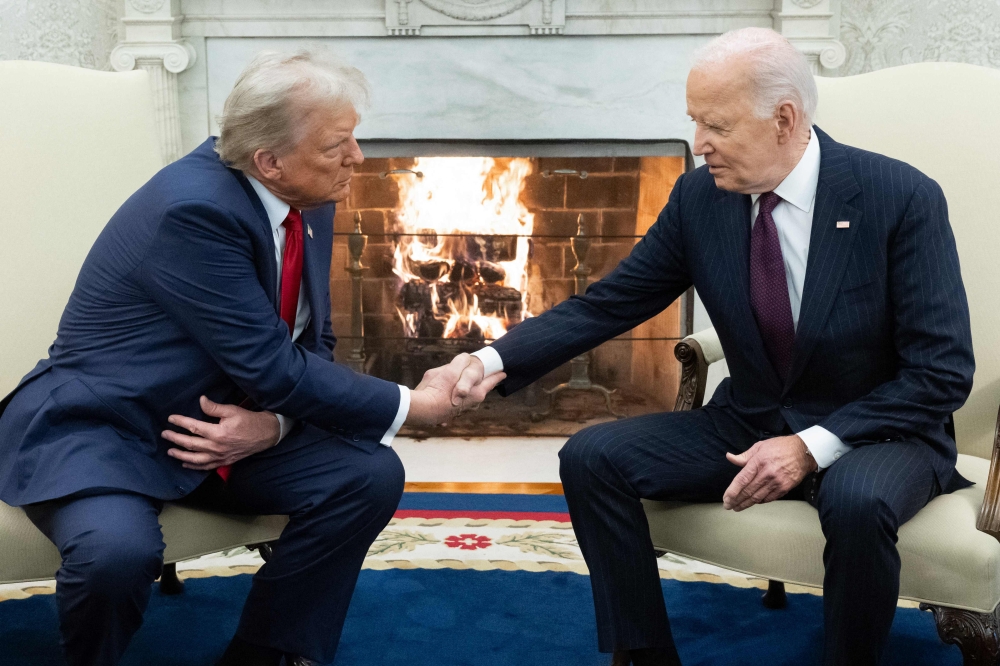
point(164, 36)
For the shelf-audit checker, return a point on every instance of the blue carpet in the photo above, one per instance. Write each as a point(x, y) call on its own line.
point(469, 618)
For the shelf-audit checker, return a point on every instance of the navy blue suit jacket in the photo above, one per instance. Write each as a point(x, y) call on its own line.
point(883, 349)
point(176, 299)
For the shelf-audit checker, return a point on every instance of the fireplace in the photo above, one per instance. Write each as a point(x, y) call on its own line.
point(443, 246)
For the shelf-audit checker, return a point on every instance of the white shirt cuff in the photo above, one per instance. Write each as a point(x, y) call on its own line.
point(401, 414)
point(825, 447)
point(285, 425)
point(492, 363)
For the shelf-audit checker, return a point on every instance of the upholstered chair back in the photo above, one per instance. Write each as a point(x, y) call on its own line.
point(75, 143)
point(944, 119)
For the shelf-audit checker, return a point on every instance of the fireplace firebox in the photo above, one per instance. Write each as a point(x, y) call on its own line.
point(444, 246)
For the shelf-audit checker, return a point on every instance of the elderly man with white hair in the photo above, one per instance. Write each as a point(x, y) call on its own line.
point(832, 279)
point(194, 361)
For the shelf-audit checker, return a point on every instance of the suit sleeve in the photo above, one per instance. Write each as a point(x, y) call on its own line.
point(932, 336)
point(646, 282)
point(200, 269)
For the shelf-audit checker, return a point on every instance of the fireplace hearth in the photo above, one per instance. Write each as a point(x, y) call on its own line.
point(445, 246)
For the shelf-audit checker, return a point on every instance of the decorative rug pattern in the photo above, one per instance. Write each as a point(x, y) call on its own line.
point(468, 532)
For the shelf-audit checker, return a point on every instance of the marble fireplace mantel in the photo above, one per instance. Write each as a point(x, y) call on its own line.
point(462, 68)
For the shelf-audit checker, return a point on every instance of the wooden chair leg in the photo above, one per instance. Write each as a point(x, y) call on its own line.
point(169, 582)
point(775, 595)
point(975, 634)
point(264, 549)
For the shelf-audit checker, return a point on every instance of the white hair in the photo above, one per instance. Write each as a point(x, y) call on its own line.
point(265, 107)
point(779, 71)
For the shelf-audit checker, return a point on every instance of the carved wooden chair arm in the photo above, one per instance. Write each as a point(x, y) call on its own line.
point(695, 352)
point(694, 371)
point(989, 513)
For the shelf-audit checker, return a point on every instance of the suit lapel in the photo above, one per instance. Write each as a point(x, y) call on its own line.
point(311, 269)
point(267, 268)
point(733, 212)
point(829, 248)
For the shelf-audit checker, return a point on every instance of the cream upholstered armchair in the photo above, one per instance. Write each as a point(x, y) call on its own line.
point(941, 118)
point(75, 143)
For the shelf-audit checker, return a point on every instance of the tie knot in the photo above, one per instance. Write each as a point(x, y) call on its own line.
point(768, 202)
point(293, 221)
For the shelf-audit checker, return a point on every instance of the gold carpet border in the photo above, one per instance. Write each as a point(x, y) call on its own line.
point(483, 488)
point(416, 521)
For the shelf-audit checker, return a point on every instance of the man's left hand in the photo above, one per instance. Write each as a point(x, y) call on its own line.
point(238, 434)
point(770, 469)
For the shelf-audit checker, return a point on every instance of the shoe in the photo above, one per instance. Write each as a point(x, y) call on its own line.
point(292, 660)
point(621, 658)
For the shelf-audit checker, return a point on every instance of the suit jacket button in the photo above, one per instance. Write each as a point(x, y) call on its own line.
point(357, 438)
point(787, 405)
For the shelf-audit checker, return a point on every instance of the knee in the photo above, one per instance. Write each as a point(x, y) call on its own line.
point(584, 455)
point(113, 566)
point(856, 515)
point(381, 481)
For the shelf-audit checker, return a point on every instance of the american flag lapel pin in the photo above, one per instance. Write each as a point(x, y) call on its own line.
point(842, 224)
point(309, 230)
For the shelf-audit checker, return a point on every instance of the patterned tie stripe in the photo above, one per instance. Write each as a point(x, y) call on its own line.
point(769, 287)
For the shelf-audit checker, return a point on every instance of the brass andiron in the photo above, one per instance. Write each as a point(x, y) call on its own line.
point(579, 378)
point(356, 243)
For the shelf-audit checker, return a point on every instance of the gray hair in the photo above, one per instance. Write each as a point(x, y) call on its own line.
point(780, 71)
point(271, 95)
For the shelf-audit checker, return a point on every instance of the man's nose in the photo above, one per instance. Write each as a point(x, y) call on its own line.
point(354, 155)
point(701, 145)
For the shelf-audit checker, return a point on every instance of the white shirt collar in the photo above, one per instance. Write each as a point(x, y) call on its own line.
point(276, 209)
point(799, 187)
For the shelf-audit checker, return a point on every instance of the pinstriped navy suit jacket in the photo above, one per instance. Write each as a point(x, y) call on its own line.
point(883, 350)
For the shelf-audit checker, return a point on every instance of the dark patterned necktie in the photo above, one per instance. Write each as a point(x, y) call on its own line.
point(769, 287)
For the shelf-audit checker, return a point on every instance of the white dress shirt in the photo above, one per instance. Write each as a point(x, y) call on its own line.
point(793, 217)
point(277, 211)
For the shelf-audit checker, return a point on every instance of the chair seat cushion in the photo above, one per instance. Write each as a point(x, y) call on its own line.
point(945, 559)
point(25, 553)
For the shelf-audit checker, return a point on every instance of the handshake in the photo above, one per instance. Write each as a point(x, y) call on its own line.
point(446, 392)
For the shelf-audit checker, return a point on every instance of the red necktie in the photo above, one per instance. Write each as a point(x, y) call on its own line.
point(291, 282)
point(291, 268)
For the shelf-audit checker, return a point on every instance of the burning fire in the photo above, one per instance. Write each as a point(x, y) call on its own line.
point(463, 249)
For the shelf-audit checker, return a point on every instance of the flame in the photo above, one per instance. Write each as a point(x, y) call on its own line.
point(477, 198)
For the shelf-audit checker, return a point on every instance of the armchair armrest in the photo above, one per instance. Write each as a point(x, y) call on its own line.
point(989, 513)
point(695, 352)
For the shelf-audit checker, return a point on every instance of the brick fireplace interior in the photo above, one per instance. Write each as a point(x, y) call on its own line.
point(615, 198)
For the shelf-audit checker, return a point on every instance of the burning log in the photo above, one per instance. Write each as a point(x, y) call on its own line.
point(415, 296)
point(491, 248)
point(492, 273)
point(462, 271)
point(498, 301)
point(431, 270)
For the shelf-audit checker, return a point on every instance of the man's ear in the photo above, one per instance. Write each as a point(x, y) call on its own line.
point(786, 120)
point(267, 164)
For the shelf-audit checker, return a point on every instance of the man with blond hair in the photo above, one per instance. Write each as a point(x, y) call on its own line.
point(832, 279)
point(209, 289)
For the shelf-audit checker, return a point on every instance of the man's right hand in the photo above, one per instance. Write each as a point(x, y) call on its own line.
point(435, 400)
point(472, 377)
